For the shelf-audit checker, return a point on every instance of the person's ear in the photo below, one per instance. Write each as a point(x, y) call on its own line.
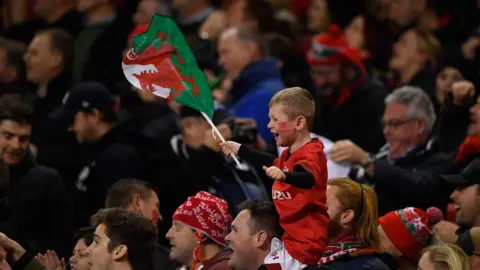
point(120, 252)
point(135, 203)
point(300, 122)
point(260, 238)
point(421, 127)
point(347, 217)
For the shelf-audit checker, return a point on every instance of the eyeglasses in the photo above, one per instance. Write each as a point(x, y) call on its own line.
point(394, 123)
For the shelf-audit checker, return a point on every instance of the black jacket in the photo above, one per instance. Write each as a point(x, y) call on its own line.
point(37, 211)
point(104, 60)
point(161, 260)
point(453, 124)
point(214, 172)
point(109, 160)
point(411, 181)
point(362, 111)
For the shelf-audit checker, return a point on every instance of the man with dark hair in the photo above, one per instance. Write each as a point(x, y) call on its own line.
point(35, 207)
point(136, 196)
point(49, 56)
point(48, 62)
point(89, 112)
point(12, 67)
point(255, 79)
point(61, 42)
point(140, 197)
point(122, 240)
point(252, 233)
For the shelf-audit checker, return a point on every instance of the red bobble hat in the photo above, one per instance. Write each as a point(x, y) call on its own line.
point(207, 214)
point(410, 229)
point(331, 48)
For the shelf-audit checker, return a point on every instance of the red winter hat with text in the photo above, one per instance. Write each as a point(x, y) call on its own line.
point(331, 48)
point(410, 229)
point(207, 214)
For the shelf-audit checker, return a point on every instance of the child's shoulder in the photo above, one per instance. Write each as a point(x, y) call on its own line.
point(315, 145)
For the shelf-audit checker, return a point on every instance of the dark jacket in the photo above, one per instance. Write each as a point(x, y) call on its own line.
point(251, 93)
point(57, 148)
point(109, 160)
point(105, 55)
point(27, 262)
point(362, 111)
point(38, 210)
point(453, 124)
point(220, 175)
point(44, 106)
point(161, 259)
point(150, 126)
point(411, 181)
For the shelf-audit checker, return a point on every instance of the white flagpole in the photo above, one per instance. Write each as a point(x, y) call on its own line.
point(221, 137)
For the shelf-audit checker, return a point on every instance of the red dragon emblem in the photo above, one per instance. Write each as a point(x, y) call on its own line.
point(160, 71)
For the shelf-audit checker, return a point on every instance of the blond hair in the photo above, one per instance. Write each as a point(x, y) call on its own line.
point(447, 257)
point(429, 45)
point(362, 200)
point(297, 102)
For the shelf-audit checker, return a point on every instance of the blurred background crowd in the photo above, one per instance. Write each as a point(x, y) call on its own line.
point(395, 84)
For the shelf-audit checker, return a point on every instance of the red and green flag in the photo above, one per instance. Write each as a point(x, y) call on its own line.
point(161, 62)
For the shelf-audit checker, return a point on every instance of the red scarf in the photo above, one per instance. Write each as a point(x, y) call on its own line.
point(469, 147)
point(341, 246)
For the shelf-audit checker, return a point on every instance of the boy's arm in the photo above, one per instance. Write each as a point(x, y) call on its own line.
point(300, 178)
point(255, 157)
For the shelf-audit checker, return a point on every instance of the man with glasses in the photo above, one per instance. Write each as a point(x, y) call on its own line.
point(406, 172)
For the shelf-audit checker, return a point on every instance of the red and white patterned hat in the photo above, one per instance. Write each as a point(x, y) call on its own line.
point(207, 214)
point(410, 229)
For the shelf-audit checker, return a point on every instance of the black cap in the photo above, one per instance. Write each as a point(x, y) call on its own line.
point(469, 176)
point(84, 97)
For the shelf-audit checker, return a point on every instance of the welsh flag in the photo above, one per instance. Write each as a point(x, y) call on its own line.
point(162, 63)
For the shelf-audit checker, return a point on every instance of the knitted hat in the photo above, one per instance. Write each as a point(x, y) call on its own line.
point(331, 48)
point(206, 214)
point(410, 229)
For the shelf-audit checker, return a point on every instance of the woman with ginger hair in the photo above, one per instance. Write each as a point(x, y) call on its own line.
point(444, 257)
point(352, 229)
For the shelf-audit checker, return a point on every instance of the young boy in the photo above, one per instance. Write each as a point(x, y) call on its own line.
point(300, 174)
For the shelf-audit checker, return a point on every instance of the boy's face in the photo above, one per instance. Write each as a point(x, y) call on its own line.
point(282, 128)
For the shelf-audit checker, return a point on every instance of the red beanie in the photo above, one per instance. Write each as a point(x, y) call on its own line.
point(327, 47)
point(207, 214)
point(410, 229)
point(331, 48)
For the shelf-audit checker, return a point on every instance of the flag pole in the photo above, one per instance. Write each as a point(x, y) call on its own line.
point(221, 137)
